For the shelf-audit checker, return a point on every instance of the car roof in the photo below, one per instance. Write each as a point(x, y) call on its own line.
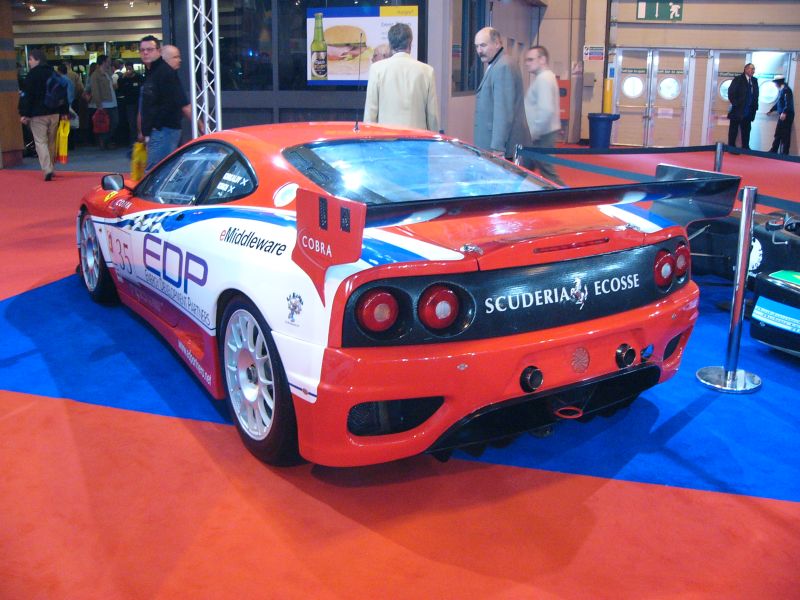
point(276, 137)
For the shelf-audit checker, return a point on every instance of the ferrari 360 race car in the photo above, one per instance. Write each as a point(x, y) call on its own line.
point(362, 295)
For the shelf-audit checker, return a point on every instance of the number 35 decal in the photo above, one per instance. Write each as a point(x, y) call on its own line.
point(119, 245)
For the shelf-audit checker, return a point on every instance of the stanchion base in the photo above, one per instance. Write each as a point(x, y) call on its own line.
point(740, 382)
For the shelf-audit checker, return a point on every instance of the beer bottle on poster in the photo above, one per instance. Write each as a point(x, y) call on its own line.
point(319, 51)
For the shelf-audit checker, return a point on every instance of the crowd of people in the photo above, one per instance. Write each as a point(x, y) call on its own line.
point(116, 105)
point(401, 91)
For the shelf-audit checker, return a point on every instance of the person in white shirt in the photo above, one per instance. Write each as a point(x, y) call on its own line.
point(542, 109)
point(402, 91)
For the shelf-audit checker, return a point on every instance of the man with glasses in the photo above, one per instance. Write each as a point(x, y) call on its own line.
point(162, 104)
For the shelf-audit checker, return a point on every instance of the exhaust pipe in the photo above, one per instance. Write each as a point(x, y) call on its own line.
point(625, 356)
point(531, 379)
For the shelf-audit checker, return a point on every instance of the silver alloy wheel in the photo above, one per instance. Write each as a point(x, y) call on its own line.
point(248, 374)
point(90, 253)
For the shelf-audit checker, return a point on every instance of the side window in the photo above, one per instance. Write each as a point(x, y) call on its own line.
point(183, 179)
point(235, 182)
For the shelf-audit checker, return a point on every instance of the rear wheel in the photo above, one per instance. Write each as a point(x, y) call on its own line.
point(96, 276)
point(255, 383)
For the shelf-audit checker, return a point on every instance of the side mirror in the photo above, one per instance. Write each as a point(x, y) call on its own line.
point(113, 182)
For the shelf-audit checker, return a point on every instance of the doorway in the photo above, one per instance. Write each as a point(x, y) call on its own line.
point(725, 66)
point(652, 90)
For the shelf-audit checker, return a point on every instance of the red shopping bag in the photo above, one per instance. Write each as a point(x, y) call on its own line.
point(101, 122)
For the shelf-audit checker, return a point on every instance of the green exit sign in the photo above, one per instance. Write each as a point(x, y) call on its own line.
point(659, 10)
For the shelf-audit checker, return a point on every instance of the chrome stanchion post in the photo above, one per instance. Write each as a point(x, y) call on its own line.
point(730, 378)
point(720, 150)
point(517, 149)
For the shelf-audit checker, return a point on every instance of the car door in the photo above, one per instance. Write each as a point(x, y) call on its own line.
point(160, 274)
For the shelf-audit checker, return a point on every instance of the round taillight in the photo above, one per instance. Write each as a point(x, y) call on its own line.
point(438, 307)
point(682, 260)
point(664, 269)
point(377, 310)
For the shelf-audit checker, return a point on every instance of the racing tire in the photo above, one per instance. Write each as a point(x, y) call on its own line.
point(92, 265)
point(256, 388)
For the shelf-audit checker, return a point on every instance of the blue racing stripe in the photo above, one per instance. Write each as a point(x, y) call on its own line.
point(378, 252)
point(600, 170)
point(646, 215)
point(375, 252)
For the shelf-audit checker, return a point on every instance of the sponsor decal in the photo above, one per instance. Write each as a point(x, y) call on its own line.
point(109, 196)
point(756, 257)
point(578, 294)
point(150, 221)
point(777, 314)
point(315, 245)
point(121, 203)
point(192, 360)
point(231, 182)
point(249, 239)
point(295, 306)
point(172, 271)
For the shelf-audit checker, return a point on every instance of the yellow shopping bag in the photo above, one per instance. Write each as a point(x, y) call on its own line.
point(62, 139)
point(138, 160)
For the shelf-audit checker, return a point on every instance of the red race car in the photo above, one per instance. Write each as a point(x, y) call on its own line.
point(363, 295)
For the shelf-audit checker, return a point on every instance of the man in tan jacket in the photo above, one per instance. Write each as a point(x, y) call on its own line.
point(401, 91)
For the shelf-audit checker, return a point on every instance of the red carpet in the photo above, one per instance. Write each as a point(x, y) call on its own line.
point(38, 242)
point(103, 503)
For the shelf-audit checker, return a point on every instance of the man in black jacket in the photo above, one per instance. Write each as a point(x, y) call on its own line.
point(743, 96)
point(785, 109)
point(42, 120)
point(162, 103)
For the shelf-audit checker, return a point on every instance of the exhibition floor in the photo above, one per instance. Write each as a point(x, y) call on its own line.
point(122, 478)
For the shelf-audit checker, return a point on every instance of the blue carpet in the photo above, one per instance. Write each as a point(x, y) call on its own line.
point(59, 343)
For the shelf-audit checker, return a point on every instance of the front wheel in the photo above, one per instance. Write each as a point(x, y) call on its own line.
point(95, 274)
point(256, 388)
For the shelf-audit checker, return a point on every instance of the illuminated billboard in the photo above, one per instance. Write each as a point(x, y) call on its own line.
point(344, 42)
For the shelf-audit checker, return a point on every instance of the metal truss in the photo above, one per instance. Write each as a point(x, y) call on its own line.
point(204, 64)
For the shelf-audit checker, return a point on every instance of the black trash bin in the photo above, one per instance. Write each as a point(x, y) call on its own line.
point(600, 129)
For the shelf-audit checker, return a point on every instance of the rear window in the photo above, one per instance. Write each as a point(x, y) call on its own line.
point(381, 171)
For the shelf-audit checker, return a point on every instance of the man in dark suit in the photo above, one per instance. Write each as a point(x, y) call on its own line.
point(500, 122)
point(743, 96)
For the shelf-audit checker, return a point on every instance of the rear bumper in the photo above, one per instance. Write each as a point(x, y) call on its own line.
point(471, 377)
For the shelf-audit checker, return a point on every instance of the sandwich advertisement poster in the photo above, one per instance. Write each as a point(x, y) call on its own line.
point(344, 42)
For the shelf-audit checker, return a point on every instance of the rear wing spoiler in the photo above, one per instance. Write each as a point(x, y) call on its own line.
point(330, 229)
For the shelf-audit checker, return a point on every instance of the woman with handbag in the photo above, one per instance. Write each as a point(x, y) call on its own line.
point(104, 101)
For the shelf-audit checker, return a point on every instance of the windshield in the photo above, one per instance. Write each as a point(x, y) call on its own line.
point(380, 171)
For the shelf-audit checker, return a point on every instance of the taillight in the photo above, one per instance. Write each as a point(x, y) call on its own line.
point(438, 307)
point(682, 261)
point(377, 310)
point(664, 269)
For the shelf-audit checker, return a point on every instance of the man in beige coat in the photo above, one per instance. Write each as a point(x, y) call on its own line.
point(401, 91)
